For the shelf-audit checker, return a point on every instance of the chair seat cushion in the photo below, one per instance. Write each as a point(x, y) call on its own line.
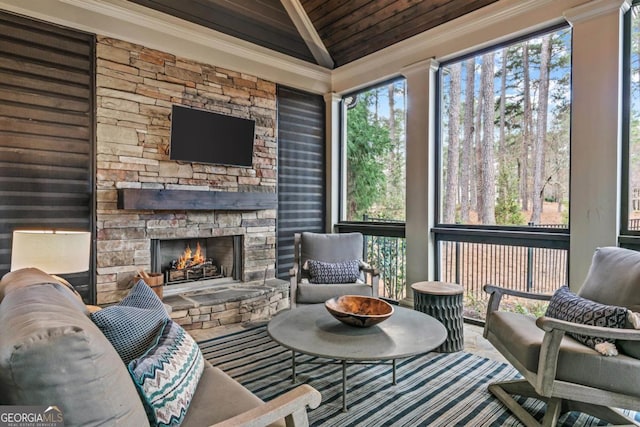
point(523, 340)
point(218, 398)
point(316, 293)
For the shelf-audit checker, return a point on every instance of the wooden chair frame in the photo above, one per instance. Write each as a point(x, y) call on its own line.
point(560, 396)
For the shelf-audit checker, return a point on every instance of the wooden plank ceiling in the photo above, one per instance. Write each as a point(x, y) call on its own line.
point(349, 29)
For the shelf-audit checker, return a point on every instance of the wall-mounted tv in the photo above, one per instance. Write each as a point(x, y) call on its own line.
point(207, 137)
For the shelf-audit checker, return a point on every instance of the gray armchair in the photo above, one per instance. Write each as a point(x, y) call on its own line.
point(561, 371)
point(329, 248)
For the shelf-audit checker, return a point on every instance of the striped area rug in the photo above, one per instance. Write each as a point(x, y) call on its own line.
point(432, 390)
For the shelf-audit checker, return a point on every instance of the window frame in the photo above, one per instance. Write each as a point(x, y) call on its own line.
point(627, 238)
point(343, 223)
point(441, 227)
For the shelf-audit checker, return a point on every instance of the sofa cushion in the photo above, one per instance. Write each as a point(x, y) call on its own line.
point(35, 277)
point(52, 354)
point(334, 272)
point(565, 305)
point(331, 247)
point(620, 373)
point(167, 375)
point(312, 293)
point(230, 398)
point(133, 324)
point(614, 279)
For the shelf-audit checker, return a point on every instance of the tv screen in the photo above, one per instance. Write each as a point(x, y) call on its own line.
point(206, 137)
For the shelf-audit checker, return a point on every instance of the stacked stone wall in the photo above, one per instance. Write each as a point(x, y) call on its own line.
point(135, 90)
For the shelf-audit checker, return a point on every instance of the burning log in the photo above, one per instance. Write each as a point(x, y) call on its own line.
point(192, 266)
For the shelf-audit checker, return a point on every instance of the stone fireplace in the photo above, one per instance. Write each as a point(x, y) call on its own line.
point(147, 202)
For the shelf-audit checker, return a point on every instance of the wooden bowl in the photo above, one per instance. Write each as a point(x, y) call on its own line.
point(359, 310)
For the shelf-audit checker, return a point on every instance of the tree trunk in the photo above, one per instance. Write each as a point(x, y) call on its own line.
point(503, 99)
point(526, 130)
point(476, 172)
point(487, 183)
point(465, 167)
point(453, 150)
point(395, 169)
point(541, 132)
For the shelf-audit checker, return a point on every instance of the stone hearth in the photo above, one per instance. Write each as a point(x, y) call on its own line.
point(227, 304)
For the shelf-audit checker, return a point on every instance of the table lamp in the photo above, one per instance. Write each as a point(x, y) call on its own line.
point(52, 251)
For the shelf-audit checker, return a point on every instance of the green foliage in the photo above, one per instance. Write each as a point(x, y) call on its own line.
point(368, 144)
point(535, 309)
point(388, 254)
point(507, 205)
point(565, 212)
point(475, 307)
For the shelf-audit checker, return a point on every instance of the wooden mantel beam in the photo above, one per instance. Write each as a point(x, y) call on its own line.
point(186, 200)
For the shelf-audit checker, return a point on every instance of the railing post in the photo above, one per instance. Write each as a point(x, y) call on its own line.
point(365, 251)
point(529, 269)
point(458, 262)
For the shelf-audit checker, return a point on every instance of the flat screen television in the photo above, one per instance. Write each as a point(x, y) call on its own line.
point(207, 137)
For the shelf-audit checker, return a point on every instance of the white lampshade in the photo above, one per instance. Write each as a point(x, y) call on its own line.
point(52, 251)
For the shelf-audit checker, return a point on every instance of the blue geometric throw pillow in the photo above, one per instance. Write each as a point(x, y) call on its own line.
point(167, 375)
point(565, 305)
point(133, 324)
point(334, 272)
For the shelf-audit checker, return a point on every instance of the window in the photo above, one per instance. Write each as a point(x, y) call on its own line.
point(505, 134)
point(504, 164)
point(374, 153)
point(631, 153)
point(373, 185)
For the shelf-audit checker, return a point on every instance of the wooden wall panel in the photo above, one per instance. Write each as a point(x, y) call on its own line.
point(46, 133)
point(301, 170)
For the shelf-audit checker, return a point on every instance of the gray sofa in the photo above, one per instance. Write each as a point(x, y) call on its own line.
point(52, 354)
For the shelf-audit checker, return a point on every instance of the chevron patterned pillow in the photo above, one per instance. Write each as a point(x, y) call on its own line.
point(167, 375)
point(334, 272)
point(565, 305)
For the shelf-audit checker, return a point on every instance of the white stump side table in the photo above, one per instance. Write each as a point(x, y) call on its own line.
point(442, 301)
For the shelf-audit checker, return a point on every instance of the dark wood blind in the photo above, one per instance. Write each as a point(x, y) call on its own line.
point(301, 169)
point(46, 133)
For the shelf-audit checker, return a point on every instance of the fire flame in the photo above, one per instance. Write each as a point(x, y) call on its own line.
point(189, 258)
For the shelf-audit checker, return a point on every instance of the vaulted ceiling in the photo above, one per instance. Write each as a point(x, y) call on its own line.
point(331, 33)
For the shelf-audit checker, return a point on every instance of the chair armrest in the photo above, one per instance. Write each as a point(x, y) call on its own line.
point(293, 271)
point(496, 293)
point(291, 406)
point(370, 270)
point(549, 324)
point(375, 278)
point(491, 289)
point(293, 285)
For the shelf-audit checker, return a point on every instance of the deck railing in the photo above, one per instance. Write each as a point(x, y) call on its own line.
point(517, 258)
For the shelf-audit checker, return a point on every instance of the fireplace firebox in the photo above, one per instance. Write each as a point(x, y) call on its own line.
point(190, 260)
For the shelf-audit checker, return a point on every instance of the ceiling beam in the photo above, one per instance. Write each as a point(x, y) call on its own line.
point(308, 32)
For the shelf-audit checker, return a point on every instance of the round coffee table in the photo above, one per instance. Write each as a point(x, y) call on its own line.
point(310, 329)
